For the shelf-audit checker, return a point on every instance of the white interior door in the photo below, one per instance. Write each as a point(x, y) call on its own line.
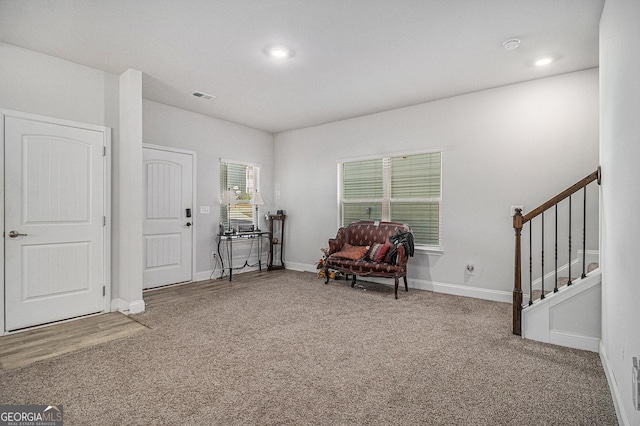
point(54, 229)
point(167, 229)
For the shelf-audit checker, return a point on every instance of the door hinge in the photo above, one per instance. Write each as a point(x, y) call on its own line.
point(104, 290)
point(104, 151)
point(104, 221)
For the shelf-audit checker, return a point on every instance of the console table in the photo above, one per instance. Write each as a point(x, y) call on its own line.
point(230, 239)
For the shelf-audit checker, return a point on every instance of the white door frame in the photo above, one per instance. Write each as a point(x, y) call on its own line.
point(106, 131)
point(194, 174)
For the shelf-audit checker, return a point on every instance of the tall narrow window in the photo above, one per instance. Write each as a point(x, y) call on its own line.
point(405, 189)
point(243, 180)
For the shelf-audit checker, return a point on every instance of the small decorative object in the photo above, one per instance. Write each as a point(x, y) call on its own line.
point(279, 212)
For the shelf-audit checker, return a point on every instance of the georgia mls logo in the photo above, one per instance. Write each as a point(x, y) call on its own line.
point(31, 415)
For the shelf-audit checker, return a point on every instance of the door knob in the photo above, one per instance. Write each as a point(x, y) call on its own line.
point(14, 234)
point(188, 223)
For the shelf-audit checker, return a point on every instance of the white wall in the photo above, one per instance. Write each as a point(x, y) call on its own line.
point(518, 144)
point(212, 139)
point(43, 84)
point(620, 159)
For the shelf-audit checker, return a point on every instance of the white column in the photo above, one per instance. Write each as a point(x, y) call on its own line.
point(130, 193)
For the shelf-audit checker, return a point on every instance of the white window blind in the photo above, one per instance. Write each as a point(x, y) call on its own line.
point(405, 189)
point(243, 180)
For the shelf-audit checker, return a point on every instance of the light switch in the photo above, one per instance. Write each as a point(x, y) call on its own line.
point(205, 210)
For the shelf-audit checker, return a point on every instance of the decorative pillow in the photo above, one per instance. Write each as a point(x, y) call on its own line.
point(351, 252)
point(385, 258)
point(384, 250)
point(378, 252)
point(374, 251)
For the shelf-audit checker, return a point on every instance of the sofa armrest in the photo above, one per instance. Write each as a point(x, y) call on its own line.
point(402, 258)
point(336, 244)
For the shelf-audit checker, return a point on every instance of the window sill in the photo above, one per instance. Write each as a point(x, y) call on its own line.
point(429, 250)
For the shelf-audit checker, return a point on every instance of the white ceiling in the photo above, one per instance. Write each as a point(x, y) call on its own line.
point(353, 57)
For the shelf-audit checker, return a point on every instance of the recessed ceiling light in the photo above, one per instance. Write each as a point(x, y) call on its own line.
point(511, 44)
point(543, 61)
point(278, 52)
point(204, 95)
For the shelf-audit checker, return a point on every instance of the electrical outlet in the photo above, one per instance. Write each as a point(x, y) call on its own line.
point(470, 268)
point(205, 210)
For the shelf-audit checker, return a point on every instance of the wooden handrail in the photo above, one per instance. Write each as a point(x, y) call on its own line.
point(518, 221)
point(561, 196)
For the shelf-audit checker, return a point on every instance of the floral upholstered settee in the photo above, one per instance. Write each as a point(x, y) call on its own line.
point(371, 248)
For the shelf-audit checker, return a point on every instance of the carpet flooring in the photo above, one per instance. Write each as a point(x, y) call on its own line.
point(288, 349)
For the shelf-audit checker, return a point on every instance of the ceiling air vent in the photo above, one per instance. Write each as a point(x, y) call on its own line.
point(204, 95)
point(511, 44)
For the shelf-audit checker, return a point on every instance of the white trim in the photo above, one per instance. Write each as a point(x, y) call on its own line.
point(390, 154)
point(126, 308)
point(51, 120)
point(194, 196)
point(301, 267)
point(565, 292)
point(204, 276)
point(429, 250)
point(437, 287)
point(107, 225)
point(106, 132)
point(613, 387)
point(2, 258)
point(576, 341)
point(168, 149)
point(244, 163)
point(462, 290)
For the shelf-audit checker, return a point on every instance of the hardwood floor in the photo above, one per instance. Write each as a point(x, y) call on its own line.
point(23, 348)
point(157, 296)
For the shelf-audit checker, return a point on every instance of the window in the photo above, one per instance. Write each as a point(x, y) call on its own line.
point(243, 180)
point(403, 189)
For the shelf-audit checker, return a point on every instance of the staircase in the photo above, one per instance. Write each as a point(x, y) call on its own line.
point(559, 309)
point(562, 281)
point(569, 317)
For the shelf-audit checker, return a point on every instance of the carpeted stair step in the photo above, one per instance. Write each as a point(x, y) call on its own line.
point(562, 281)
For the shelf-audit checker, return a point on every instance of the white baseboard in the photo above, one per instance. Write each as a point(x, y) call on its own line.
point(206, 275)
point(302, 267)
point(613, 387)
point(438, 287)
point(134, 307)
point(575, 341)
point(462, 290)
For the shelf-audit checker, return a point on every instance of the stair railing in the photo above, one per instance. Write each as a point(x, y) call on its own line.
point(520, 220)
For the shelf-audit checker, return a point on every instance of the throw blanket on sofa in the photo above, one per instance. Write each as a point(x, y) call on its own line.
point(404, 238)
